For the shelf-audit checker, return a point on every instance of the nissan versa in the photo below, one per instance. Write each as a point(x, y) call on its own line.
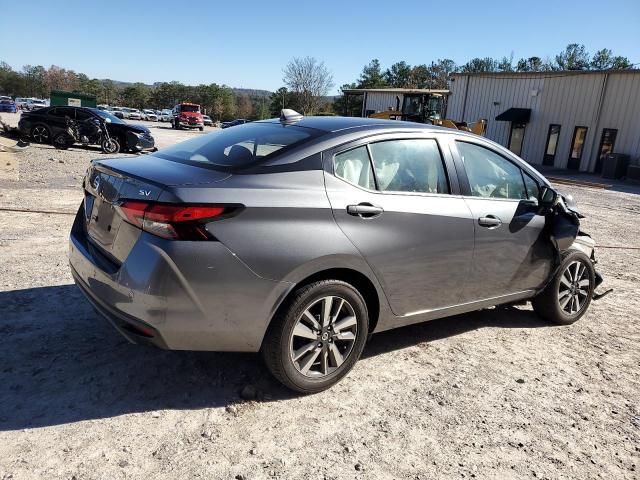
point(299, 237)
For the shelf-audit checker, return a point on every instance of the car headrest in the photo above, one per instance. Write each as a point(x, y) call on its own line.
point(240, 154)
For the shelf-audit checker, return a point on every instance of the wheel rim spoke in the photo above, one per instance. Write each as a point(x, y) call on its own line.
point(344, 323)
point(327, 303)
point(304, 332)
point(303, 351)
point(563, 304)
point(307, 314)
point(336, 357)
point(304, 368)
point(565, 281)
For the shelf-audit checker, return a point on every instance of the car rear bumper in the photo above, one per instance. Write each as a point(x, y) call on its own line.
point(176, 295)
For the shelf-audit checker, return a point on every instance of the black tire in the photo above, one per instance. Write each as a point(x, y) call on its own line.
point(40, 134)
point(62, 141)
point(278, 344)
point(201, 129)
point(549, 303)
point(110, 146)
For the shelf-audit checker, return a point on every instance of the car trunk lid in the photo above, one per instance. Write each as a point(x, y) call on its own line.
point(110, 183)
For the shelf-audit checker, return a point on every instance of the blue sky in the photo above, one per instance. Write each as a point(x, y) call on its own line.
point(247, 43)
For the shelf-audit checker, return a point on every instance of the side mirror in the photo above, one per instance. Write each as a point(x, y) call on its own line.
point(548, 196)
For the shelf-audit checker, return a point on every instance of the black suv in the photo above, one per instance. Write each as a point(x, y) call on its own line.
point(42, 126)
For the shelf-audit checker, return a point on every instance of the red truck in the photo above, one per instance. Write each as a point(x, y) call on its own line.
point(187, 115)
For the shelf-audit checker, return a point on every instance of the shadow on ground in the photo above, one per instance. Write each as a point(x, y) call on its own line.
point(61, 363)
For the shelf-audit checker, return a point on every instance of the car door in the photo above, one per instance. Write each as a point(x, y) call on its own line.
point(512, 254)
point(398, 203)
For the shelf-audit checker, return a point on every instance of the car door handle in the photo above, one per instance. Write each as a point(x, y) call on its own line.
point(489, 221)
point(364, 210)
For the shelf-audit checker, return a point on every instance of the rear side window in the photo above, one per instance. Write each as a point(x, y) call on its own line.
point(490, 174)
point(238, 147)
point(354, 167)
point(63, 112)
point(411, 165)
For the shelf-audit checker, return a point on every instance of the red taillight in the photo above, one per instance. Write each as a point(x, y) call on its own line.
point(177, 222)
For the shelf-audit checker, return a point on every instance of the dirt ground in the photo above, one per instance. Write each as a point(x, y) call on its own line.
point(496, 394)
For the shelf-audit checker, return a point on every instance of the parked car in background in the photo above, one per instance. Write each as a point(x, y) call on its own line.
point(8, 105)
point(44, 124)
point(35, 104)
point(134, 114)
point(206, 119)
point(187, 115)
point(233, 123)
point(117, 112)
point(417, 223)
point(166, 115)
point(5, 97)
point(21, 102)
point(150, 115)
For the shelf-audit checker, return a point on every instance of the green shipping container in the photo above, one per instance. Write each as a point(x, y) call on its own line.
point(72, 99)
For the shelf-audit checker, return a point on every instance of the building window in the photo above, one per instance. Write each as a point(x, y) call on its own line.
point(607, 143)
point(552, 145)
point(516, 137)
point(577, 145)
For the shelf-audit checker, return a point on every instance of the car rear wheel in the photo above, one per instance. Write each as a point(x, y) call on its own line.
point(40, 134)
point(319, 336)
point(569, 294)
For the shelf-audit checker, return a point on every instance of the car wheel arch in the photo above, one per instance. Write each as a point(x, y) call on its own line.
point(373, 296)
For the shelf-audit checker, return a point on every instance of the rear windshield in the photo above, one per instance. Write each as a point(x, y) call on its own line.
point(238, 147)
point(189, 108)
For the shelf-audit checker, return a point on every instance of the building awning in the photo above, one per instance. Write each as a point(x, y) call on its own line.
point(516, 115)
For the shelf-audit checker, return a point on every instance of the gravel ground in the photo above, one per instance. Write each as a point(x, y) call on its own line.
point(496, 394)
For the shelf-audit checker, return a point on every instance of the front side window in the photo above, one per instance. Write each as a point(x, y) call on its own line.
point(354, 167)
point(533, 189)
point(490, 174)
point(411, 165)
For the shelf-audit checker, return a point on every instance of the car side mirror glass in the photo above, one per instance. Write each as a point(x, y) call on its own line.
point(548, 197)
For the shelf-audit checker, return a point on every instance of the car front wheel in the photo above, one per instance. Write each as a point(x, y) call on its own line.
point(566, 298)
point(317, 339)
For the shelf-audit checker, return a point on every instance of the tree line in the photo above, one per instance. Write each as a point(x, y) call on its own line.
point(219, 101)
point(435, 75)
point(307, 82)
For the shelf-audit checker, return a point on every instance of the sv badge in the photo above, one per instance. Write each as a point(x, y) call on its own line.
point(144, 193)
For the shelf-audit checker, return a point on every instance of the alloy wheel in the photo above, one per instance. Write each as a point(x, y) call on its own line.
point(574, 287)
point(40, 134)
point(323, 337)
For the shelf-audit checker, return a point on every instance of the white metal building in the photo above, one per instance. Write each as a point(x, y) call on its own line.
point(562, 119)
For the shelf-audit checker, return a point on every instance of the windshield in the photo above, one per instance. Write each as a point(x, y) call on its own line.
point(106, 115)
point(189, 108)
point(238, 147)
point(38, 102)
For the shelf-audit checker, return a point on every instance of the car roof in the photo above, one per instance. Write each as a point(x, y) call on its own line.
point(334, 124)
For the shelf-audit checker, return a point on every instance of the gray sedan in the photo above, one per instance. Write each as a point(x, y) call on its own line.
point(299, 237)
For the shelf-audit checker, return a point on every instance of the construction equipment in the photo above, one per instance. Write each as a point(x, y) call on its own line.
point(428, 108)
